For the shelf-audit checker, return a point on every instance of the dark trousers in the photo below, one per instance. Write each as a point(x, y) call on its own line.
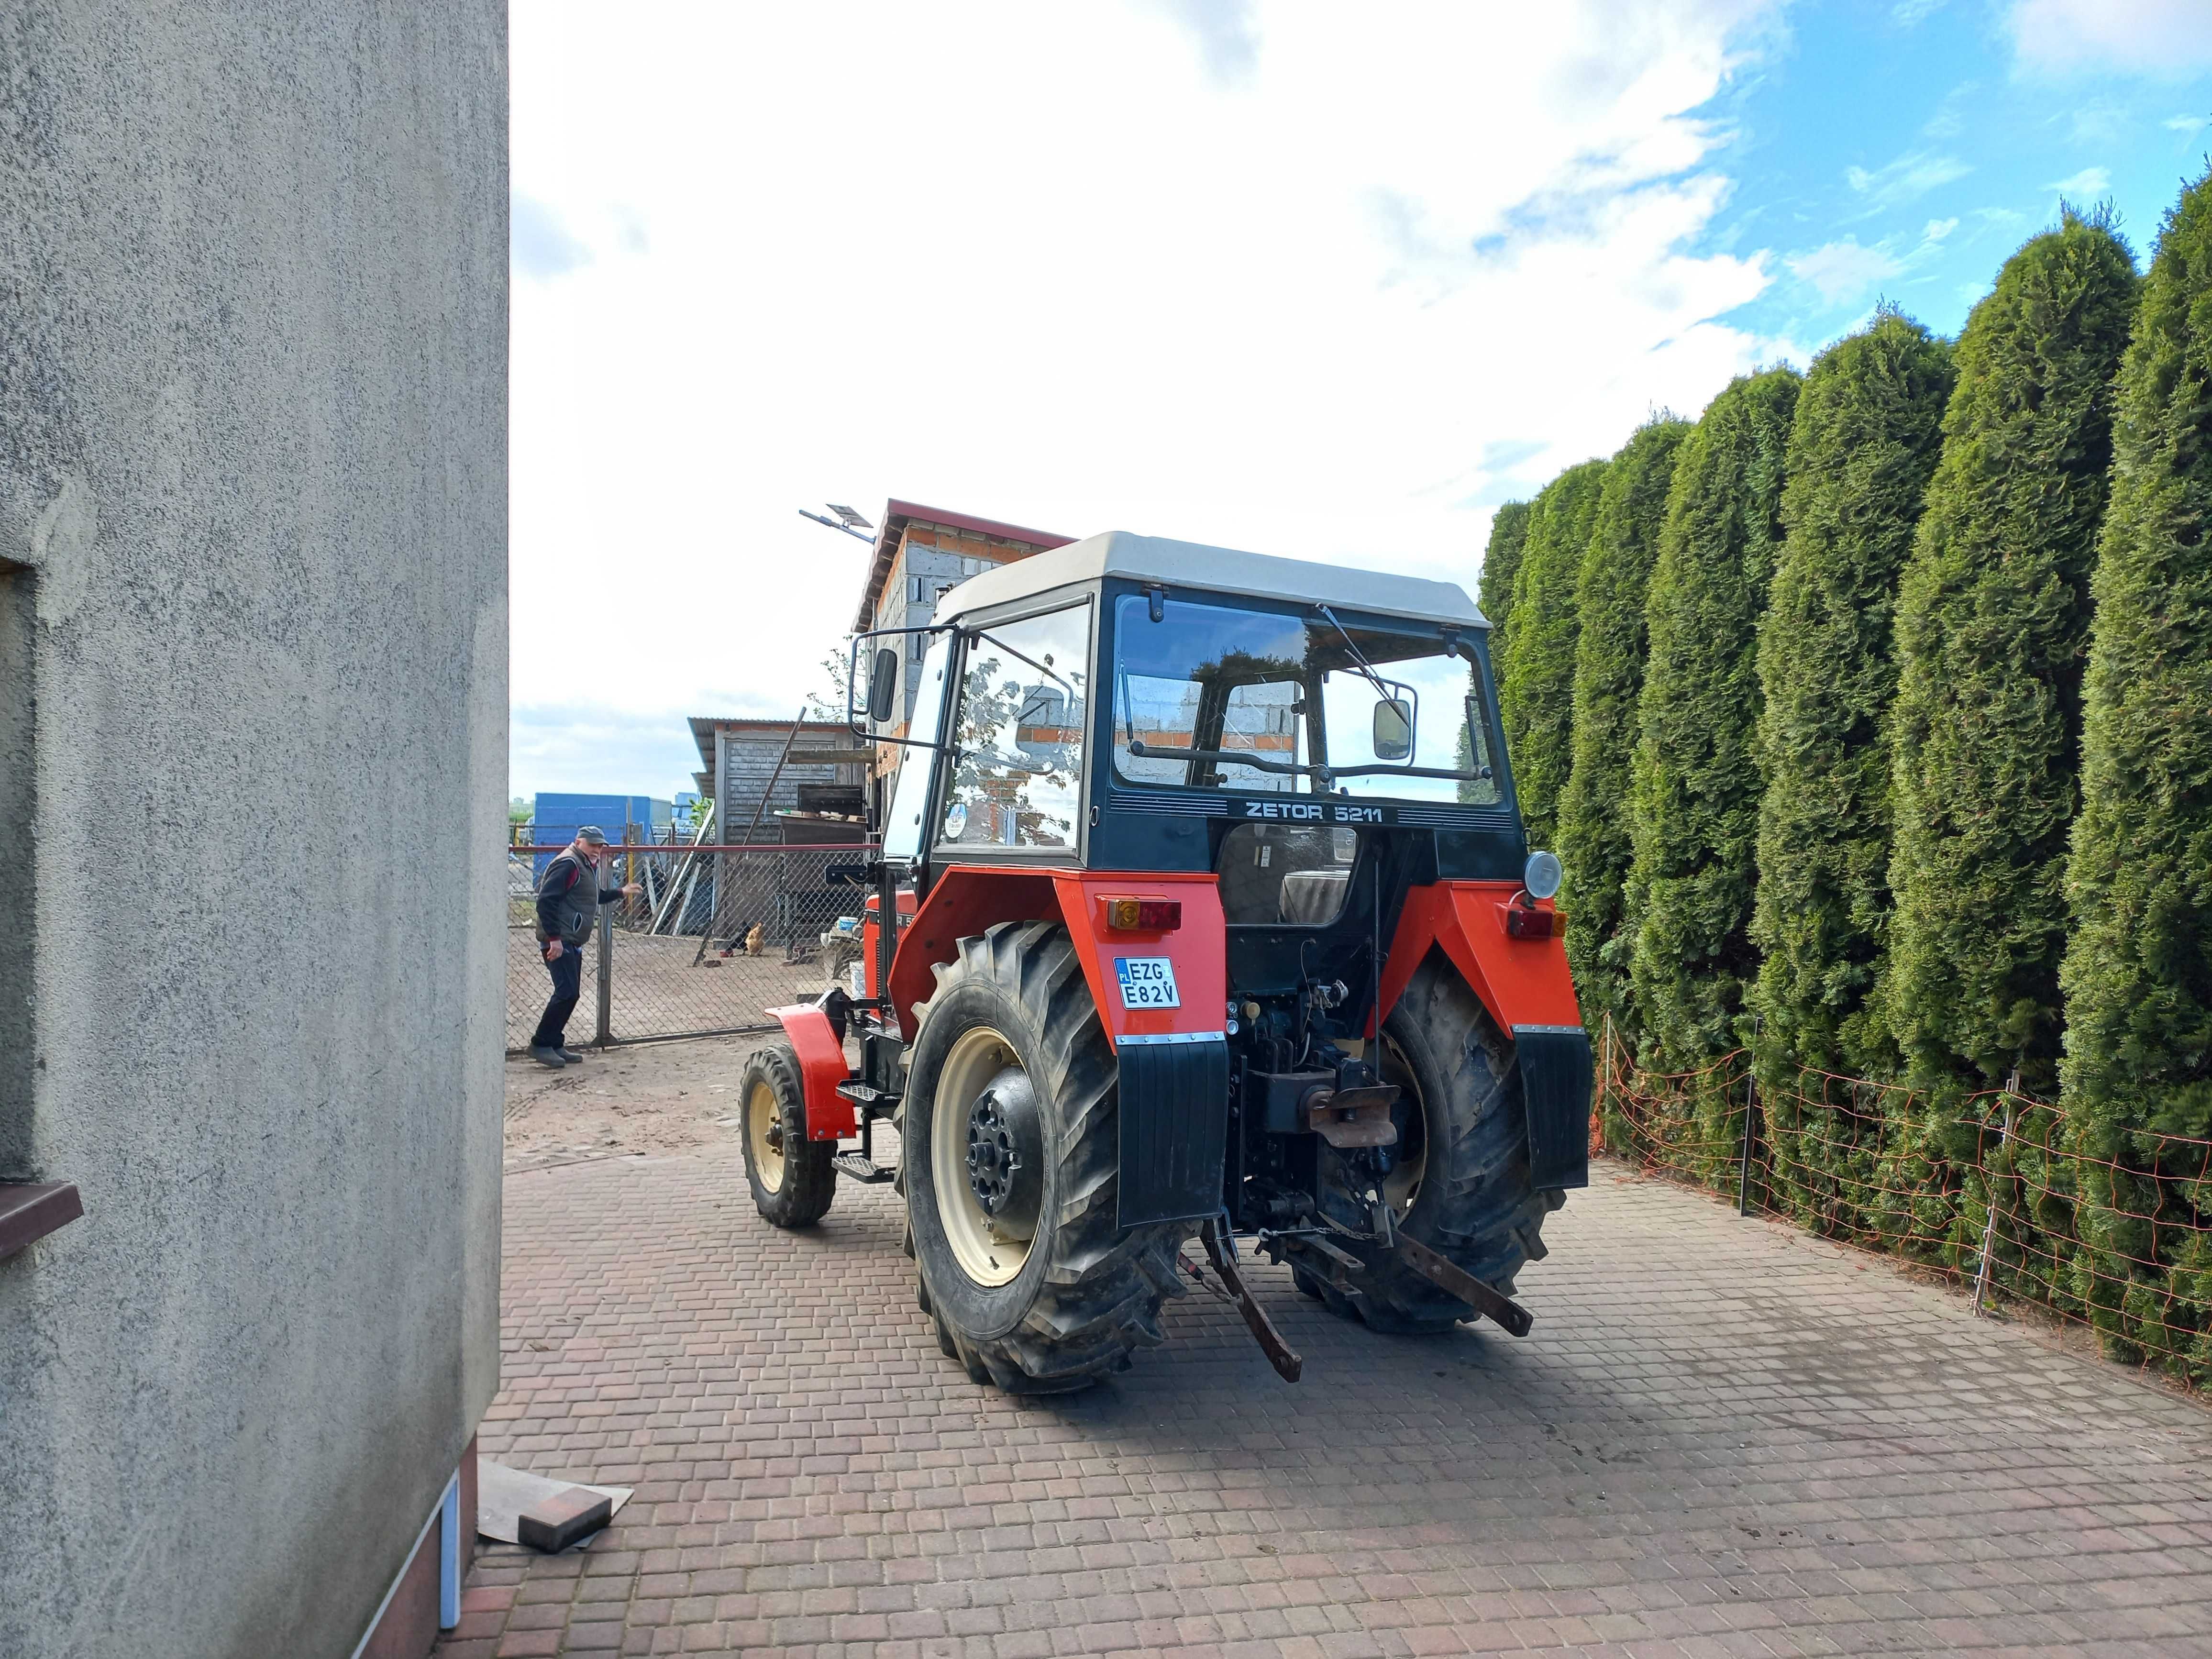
point(567, 971)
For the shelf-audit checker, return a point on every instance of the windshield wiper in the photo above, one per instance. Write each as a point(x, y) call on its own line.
point(1025, 657)
point(1366, 669)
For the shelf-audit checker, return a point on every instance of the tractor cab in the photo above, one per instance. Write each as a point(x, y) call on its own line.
point(1223, 922)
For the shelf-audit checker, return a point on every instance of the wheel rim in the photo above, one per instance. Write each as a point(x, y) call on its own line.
point(764, 1132)
point(1401, 1188)
point(981, 1244)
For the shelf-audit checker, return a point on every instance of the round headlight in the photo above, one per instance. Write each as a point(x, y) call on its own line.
point(1542, 875)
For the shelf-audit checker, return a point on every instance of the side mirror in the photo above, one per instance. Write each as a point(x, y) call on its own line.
point(883, 686)
point(1394, 729)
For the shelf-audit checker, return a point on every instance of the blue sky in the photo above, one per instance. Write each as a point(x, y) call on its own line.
point(1324, 280)
point(1906, 151)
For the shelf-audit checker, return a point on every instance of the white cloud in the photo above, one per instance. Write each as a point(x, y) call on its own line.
point(1844, 271)
point(2182, 122)
point(1226, 33)
point(1908, 176)
point(2166, 39)
point(2089, 183)
point(1938, 229)
point(1148, 266)
point(538, 243)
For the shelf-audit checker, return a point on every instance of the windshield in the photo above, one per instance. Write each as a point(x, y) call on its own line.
point(1210, 697)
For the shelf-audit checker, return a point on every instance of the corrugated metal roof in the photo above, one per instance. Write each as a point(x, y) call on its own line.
point(704, 727)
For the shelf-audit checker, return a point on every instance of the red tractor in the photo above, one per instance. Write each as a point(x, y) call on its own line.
point(1251, 945)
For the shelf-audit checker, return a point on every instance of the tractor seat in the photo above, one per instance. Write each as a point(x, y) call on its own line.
point(1314, 898)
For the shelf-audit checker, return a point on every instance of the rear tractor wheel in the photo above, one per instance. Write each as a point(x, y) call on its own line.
point(1459, 1179)
point(791, 1178)
point(1009, 1150)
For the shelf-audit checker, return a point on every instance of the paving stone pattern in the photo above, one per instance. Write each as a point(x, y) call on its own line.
point(1722, 1438)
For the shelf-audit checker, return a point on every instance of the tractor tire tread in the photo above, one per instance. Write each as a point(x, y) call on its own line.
point(809, 1179)
point(1491, 1221)
point(1099, 1297)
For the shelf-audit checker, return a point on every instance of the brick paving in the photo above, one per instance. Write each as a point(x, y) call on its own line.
point(1722, 1439)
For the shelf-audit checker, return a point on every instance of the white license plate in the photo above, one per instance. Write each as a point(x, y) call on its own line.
point(1146, 981)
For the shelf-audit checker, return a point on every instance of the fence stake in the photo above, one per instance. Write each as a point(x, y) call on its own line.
point(1604, 1075)
point(1743, 1168)
point(606, 971)
point(1990, 1176)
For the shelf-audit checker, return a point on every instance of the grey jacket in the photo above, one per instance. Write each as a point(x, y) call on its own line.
point(569, 900)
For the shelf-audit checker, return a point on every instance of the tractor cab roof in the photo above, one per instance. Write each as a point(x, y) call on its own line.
point(1189, 565)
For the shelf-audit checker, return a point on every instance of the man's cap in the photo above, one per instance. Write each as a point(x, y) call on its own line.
point(591, 834)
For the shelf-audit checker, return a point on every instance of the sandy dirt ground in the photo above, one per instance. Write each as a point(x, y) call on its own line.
point(662, 987)
point(655, 1097)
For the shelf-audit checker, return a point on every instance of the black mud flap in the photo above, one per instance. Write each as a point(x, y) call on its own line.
point(1557, 1075)
point(1175, 1125)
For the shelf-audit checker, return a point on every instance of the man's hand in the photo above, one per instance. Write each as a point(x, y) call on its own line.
point(632, 890)
point(553, 950)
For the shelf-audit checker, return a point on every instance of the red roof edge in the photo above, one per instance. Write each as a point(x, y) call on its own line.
point(897, 515)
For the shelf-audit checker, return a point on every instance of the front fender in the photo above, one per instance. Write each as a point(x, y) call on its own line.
point(821, 1067)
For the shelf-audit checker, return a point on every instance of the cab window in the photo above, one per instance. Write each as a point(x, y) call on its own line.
point(1017, 778)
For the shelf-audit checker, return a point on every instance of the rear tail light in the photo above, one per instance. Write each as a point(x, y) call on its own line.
point(1132, 916)
point(1526, 922)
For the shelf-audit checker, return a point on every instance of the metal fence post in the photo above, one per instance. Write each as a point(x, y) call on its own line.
point(606, 972)
point(1750, 1105)
point(1743, 1166)
point(1990, 1185)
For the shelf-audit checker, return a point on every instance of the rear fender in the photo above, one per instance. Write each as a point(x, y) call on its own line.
point(821, 1067)
point(1173, 1061)
point(967, 900)
point(1525, 986)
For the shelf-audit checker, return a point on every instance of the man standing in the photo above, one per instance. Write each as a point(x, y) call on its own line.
point(569, 900)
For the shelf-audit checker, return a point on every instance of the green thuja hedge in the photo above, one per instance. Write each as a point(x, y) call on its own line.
point(2137, 973)
point(1695, 778)
point(1993, 621)
point(1992, 624)
point(1609, 650)
point(1865, 437)
point(1535, 694)
point(1509, 534)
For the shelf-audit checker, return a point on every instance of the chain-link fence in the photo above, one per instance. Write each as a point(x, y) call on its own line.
point(719, 935)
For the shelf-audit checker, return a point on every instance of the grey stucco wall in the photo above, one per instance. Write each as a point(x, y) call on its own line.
point(253, 466)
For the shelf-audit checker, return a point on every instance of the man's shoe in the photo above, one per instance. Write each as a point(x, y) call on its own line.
point(571, 1056)
point(552, 1057)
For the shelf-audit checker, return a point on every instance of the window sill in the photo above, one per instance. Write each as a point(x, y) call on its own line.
point(31, 1210)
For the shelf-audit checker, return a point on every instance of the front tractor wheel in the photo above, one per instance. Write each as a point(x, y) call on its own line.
point(791, 1178)
point(1459, 1180)
point(1010, 1143)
